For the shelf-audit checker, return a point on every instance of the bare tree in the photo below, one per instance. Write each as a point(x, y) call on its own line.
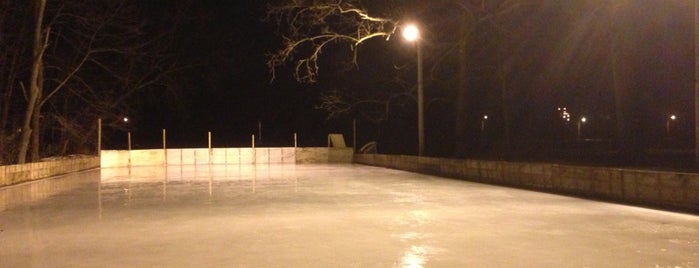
point(89, 58)
point(40, 40)
point(309, 26)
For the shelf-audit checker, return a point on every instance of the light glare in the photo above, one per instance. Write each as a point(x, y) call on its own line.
point(411, 33)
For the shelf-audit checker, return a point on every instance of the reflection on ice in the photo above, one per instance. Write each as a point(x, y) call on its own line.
point(36, 191)
point(192, 182)
point(416, 218)
point(414, 257)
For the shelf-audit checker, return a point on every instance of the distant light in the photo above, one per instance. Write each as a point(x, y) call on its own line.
point(411, 33)
point(673, 117)
point(583, 119)
point(126, 119)
point(485, 117)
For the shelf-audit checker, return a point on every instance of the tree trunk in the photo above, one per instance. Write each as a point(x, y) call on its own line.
point(34, 91)
point(36, 120)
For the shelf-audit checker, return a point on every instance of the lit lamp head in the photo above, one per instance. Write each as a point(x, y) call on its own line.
point(411, 33)
point(673, 117)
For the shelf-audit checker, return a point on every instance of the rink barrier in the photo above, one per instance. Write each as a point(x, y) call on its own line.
point(205, 156)
point(661, 189)
point(14, 174)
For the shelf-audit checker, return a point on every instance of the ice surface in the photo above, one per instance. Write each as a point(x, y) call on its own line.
point(323, 216)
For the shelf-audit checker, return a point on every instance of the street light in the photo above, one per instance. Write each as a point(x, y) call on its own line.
point(412, 34)
point(580, 122)
point(670, 118)
point(483, 119)
point(128, 133)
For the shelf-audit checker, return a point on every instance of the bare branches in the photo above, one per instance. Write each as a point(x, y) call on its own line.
point(308, 27)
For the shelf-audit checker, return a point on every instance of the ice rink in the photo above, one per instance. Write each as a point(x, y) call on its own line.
point(323, 216)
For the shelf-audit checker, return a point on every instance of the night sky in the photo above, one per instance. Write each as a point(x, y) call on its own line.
point(226, 87)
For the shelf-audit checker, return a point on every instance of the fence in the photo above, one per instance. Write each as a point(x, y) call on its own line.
point(13, 174)
point(674, 190)
point(206, 156)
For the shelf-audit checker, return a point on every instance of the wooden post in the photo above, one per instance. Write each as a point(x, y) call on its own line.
point(354, 135)
point(209, 140)
point(129, 142)
point(165, 146)
point(99, 137)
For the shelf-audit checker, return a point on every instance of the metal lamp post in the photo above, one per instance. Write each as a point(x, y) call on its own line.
point(580, 123)
point(667, 124)
point(412, 34)
point(483, 119)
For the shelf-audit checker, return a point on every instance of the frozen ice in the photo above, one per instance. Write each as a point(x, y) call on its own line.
point(323, 216)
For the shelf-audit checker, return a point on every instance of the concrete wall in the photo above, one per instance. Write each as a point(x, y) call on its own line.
point(14, 174)
point(285, 155)
point(672, 190)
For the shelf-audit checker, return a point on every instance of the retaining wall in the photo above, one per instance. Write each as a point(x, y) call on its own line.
point(204, 156)
point(13, 174)
point(672, 190)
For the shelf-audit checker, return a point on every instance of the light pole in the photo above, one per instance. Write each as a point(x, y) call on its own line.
point(412, 34)
point(580, 123)
point(483, 119)
point(128, 133)
point(667, 124)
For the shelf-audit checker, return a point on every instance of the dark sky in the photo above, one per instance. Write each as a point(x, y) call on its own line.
point(227, 87)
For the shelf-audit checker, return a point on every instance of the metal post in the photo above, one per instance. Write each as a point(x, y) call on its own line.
point(295, 140)
point(579, 125)
point(420, 103)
